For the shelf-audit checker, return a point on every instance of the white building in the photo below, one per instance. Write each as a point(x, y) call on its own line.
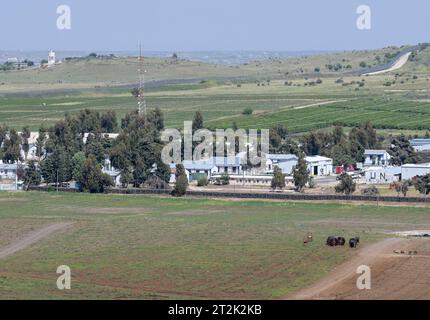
point(286, 162)
point(410, 171)
point(215, 165)
point(31, 155)
point(376, 158)
point(173, 173)
point(112, 172)
point(8, 177)
point(51, 58)
point(12, 60)
point(421, 145)
point(32, 142)
point(319, 166)
point(382, 175)
point(255, 180)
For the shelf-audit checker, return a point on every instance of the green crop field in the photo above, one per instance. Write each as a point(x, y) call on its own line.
point(394, 101)
point(124, 247)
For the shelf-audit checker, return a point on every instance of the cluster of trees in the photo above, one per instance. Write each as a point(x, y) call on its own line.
point(137, 150)
point(337, 67)
point(422, 184)
point(8, 66)
point(342, 148)
point(402, 152)
point(281, 142)
point(76, 148)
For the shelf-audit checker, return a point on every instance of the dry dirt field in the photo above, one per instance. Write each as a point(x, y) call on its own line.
point(138, 247)
point(399, 271)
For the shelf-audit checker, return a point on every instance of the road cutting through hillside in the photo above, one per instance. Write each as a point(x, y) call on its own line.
point(397, 65)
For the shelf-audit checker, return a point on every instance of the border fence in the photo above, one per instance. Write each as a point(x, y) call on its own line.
point(262, 196)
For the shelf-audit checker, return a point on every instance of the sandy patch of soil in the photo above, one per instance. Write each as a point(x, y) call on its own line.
point(399, 270)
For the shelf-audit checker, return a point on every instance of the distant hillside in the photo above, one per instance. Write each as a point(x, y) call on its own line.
point(116, 72)
point(419, 62)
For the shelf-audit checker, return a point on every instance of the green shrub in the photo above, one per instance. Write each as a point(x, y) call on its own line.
point(247, 112)
point(370, 191)
point(202, 182)
point(311, 183)
point(346, 185)
point(181, 186)
point(224, 180)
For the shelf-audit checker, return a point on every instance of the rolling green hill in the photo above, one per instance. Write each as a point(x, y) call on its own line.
point(302, 93)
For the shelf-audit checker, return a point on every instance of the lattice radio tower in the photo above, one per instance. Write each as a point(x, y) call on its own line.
point(141, 103)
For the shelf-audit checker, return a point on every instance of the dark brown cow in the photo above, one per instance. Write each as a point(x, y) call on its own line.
point(353, 243)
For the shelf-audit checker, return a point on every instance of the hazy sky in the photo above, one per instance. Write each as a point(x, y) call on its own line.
point(191, 25)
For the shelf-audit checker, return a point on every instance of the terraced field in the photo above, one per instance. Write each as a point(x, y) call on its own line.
point(384, 114)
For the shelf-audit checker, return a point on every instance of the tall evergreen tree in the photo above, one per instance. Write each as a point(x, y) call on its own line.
point(93, 179)
point(278, 181)
point(301, 173)
point(198, 121)
point(109, 122)
point(25, 135)
point(402, 152)
point(40, 143)
point(11, 147)
point(32, 176)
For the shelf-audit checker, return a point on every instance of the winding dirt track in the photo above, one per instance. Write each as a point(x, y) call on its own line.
point(394, 275)
point(32, 238)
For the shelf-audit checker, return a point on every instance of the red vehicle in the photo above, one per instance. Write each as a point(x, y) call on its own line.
point(342, 170)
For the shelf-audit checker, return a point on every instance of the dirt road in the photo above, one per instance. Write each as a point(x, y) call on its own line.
point(397, 65)
point(394, 275)
point(32, 238)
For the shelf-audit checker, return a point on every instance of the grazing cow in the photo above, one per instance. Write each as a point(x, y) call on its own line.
point(332, 241)
point(353, 243)
point(341, 241)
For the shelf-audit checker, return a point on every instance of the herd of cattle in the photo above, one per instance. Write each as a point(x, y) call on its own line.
point(334, 241)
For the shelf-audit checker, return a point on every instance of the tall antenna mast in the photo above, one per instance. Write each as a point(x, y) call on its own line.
point(141, 104)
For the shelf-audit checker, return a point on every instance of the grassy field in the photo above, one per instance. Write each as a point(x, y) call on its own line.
point(110, 72)
point(395, 101)
point(299, 108)
point(123, 247)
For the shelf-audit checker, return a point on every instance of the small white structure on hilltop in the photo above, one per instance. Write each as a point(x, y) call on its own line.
point(51, 58)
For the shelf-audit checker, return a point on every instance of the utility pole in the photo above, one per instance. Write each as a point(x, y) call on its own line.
point(141, 104)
